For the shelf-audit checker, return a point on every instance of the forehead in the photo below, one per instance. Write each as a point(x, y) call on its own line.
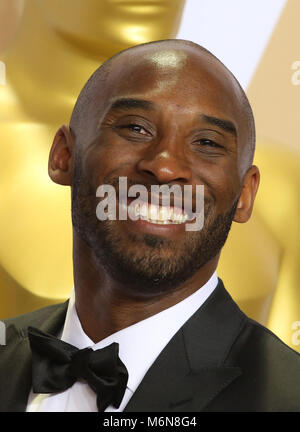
point(188, 78)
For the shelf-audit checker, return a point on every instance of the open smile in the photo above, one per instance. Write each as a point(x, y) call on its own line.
point(155, 219)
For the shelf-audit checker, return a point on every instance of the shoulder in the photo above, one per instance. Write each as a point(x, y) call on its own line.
point(261, 343)
point(270, 379)
point(38, 318)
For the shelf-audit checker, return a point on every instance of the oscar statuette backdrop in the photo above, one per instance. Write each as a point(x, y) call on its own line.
point(49, 48)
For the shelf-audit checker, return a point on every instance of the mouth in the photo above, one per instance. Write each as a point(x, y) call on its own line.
point(157, 220)
point(155, 214)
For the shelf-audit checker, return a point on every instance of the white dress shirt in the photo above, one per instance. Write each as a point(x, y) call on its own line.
point(139, 346)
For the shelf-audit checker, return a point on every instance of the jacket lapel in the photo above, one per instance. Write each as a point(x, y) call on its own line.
point(192, 370)
point(15, 356)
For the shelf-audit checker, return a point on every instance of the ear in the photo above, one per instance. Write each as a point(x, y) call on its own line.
point(247, 197)
point(60, 166)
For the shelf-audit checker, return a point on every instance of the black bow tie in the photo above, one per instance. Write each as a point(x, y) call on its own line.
point(57, 365)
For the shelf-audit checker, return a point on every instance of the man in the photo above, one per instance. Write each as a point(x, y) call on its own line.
point(163, 113)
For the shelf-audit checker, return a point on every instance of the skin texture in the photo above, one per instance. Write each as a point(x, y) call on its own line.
point(171, 141)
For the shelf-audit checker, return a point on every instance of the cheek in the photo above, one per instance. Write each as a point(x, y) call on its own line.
point(221, 183)
point(108, 159)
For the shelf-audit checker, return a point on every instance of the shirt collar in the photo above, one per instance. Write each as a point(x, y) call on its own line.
point(141, 343)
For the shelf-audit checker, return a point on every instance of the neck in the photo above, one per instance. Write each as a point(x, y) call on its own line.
point(47, 76)
point(102, 305)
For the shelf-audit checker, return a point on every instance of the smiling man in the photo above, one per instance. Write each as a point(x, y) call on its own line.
point(149, 326)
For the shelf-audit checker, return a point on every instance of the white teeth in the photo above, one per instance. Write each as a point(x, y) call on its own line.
point(153, 212)
point(156, 214)
point(178, 217)
point(144, 210)
point(163, 213)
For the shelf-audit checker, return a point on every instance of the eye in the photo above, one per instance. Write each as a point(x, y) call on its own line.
point(209, 143)
point(135, 128)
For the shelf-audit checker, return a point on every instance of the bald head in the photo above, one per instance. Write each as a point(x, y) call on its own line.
point(169, 56)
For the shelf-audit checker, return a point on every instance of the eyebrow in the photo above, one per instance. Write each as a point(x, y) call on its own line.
point(133, 103)
point(226, 125)
point(130, 103)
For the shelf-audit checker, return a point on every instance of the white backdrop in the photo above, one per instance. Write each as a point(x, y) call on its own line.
point(236, 31)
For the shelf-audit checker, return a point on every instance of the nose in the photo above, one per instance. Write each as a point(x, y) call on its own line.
point(164, 164)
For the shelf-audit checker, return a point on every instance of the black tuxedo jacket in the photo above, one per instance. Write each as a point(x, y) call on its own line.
point(220, 360)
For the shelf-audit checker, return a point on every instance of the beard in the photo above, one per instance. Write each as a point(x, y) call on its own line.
point(145, 264)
